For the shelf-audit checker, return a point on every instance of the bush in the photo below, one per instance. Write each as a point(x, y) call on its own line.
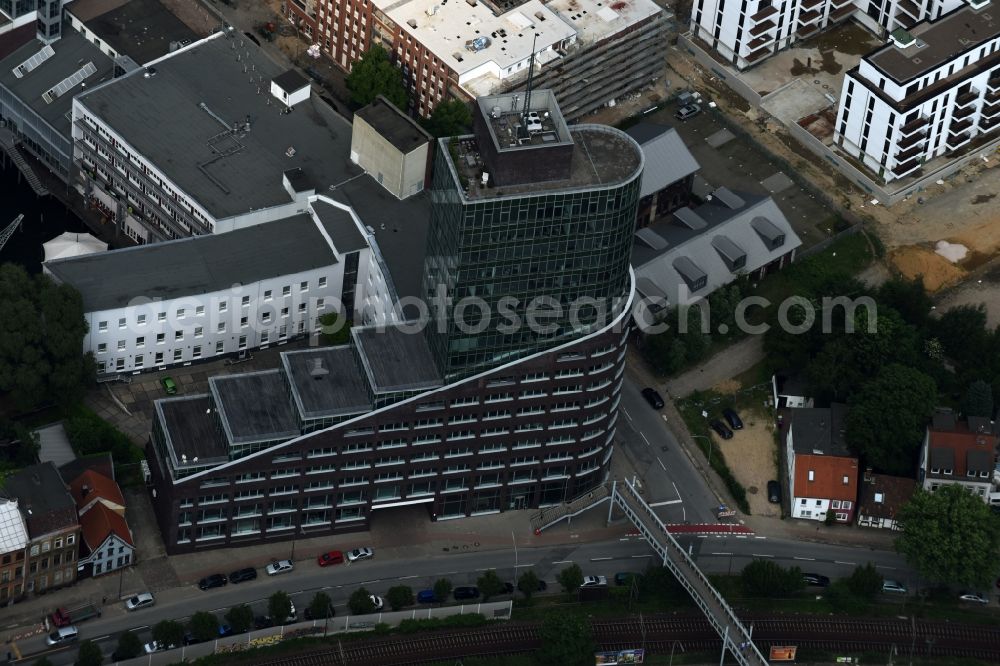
point(240, 618)
point(442, 589)
point(129, 646)
point(764, 578)
point(360, 602)
point(168, 632)
point(570, 578)
point(279, 607)
point(449, 622)
point(489, 584)
point(320, 607)
point(204, 626)
point(528, 583)
point(399, 596)
point(89, 434)
point(336, 330)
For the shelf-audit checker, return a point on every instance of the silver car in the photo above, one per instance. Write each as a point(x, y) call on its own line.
point(279, 567)
point(360, 554)
point(141, 600)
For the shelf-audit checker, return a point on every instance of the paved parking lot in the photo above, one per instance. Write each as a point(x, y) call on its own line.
point(734, 162)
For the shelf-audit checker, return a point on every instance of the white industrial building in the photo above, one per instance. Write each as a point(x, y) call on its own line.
point(746, 33)
point(201, 298)
point(198, 141)
point(929, 92)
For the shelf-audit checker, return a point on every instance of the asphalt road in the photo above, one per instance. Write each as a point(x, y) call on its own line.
point(671, 484)
point(713, 554)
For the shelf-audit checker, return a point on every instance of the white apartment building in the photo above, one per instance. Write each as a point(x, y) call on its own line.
point(193, 299)
point(748, 31)
point(209, 138)
point(931, 91)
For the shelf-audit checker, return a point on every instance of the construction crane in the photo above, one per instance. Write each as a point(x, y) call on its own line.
point(9, 231)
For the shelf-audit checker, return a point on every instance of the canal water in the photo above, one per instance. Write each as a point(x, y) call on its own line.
point(44, 219)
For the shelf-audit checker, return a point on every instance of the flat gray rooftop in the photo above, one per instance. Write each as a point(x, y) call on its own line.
point(395, 126)
point(326, 382)
point(400, 229)
point(820, 430)
point(190, 427)
point(254, 406)
point(395, 360)
point(162, 118)
point(943, 40)
point(141, 29)
point(601, 156)
point(340, 226)
point(196, 265)
point(72, 52)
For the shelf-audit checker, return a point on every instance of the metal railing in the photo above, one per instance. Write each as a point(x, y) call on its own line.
point(734, 635)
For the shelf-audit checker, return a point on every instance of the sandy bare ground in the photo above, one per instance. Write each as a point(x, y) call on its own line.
point(750, 456)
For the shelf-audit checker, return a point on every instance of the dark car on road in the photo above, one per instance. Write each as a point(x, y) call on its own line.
point(215, 580)
point(626, 578)
point(733, 419)
point(426, 597)
point(653, 398)
point(262, 622)
point(242, 575)
point(466, 592)
point(688, 111)
point(774, 492)
point(816, 580)
point(723, 431)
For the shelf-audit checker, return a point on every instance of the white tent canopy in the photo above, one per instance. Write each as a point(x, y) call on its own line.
point(69, 244)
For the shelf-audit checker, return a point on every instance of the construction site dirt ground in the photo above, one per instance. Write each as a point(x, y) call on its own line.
point(750, 455)
point(961, 209)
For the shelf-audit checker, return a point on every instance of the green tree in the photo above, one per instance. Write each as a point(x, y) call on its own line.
point(41, 341)
point(566, 640)
point(399, 596)
point(907, 297)
point(887, 417)
point(321, 606)
point(570, 578)
point(865, 581)
point(129, 646)
point(44, 661)
point(375, 75)
point(962, 332)
point(89, 654)
point(204, 626)
point(168, 632)
point(765, 578)
point(489, 584)
point(279, 607)
point(442, 589)
point(528, 583)
point(978, 400)
point(950, 536)
point(360, 602)
point(658, 583)
point(240, 618)
point(451, 117)
point(335, 329)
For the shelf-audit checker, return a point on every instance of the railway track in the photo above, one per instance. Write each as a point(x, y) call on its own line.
point(659, 633)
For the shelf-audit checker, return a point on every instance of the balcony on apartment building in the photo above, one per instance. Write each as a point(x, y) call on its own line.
point(764, 13)
point(992, 91)
point(911, 8)
point(809, 4)
point(763, 52)
point(993, 83)
point(960, 125)
point(966, 97)
point(988, 124)
point(915, 125)
point(963, 112)
point(909, 153)
point(842, 12)
point(804, 31)
point(906, 168)
point(957, 139)
point(989, 110)
point(763, 27)
point(811, 16)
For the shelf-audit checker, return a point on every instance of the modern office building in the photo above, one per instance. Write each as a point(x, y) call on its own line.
point(45, 15)
point(520, 215)
point(407, 413)
point(931, 91)
point(198, 141)
point(589, 52)
point(746, 34)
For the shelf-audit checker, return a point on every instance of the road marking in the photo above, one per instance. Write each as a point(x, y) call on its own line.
point(599, 559)
point(675, 488)
point(625, 539)
point(627, 415)
point(563, 562)
point(407, 577)
point(102, 638)
point(684, 514)
point(367, 582)
point(851, 564)
point(879, 566)
point(639, 556)
point(643, 435)
point(760, 537)
point(486, 569)
point(759, 555)
point(805, 559)
point(676, 501)
point(517, 566)
point(661, 463)
point(720, 553)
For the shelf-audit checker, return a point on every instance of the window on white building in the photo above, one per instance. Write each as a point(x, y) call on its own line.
point(267, 295)
point(178, 335)
point(178, 354)
point(121, 345)
point(140, 342)
point(161, 316)
point(140, 319)
point(304, 285)
point(196, 352)
point(180, 313)
point(200, 310)
point(220, 347)
point(198, 331)
point(102, 347)
point(222, 306)
point(322, 282)
point(160, 337)
point(221, 328)
point(158, 359)
point(102, 326)
point(121, 323)
point(246, 301)
point(243, 342)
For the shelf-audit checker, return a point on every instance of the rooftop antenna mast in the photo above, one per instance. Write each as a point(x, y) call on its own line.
point(531, 74)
